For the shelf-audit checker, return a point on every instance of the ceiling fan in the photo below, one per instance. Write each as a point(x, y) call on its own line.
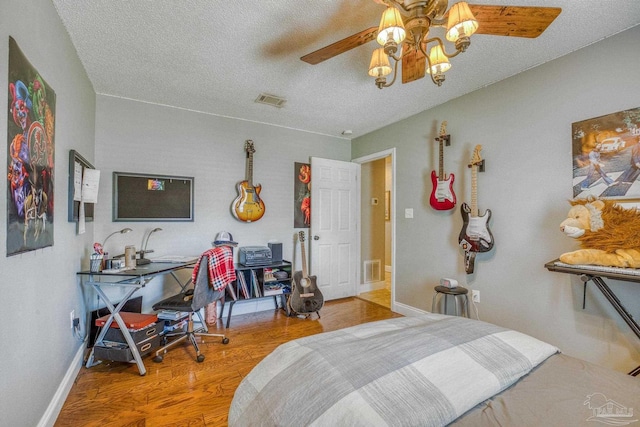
point(404, 28)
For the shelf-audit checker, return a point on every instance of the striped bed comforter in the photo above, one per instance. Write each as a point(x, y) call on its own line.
point(411, 371)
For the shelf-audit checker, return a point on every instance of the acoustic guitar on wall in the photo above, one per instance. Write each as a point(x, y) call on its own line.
point(475, 235)
point(248, 206)
point(305, 296)
point(442, 196)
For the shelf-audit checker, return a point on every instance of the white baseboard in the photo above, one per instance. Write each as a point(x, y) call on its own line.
point(53, 410)
point(406, 310)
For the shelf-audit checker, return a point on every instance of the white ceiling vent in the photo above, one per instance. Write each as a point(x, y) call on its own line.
point(272, 100)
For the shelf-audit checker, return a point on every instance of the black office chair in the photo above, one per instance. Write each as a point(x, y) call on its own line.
point(191, 301)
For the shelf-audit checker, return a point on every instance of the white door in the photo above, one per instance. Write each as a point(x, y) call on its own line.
point(334, 221)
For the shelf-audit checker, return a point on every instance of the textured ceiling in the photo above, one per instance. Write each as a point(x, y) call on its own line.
point(217, 56)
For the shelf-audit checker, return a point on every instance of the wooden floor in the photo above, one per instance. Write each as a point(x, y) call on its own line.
point(378, 296)
point(181, 392)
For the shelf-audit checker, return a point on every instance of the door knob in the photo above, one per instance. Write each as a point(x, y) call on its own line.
point(316, 237)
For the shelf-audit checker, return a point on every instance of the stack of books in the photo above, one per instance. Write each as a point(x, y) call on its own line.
point(272, 288)
point(172, 315)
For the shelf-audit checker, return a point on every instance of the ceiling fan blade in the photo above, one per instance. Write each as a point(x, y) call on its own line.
point(514, 21)
point(413, 65)
point(341, 46)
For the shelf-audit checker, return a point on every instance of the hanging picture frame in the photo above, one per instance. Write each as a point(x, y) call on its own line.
point(606, 156)
point(31, 120)
point(302, 195)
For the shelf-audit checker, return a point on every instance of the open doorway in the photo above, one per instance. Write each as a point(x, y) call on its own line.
point(377, 228)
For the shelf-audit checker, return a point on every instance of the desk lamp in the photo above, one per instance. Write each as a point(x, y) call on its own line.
point(142, 260)
point(99, 247)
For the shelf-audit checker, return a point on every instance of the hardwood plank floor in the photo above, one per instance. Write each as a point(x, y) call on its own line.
point(378, 296)
point(181, 392)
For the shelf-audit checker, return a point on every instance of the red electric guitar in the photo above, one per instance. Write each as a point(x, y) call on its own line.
point(442, 196)
point(475, 235)
point(248, 206)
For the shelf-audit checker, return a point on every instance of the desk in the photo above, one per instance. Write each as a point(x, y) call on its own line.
point(131, 280)
point(595, 274)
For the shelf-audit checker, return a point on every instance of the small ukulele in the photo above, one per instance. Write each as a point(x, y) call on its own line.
point(305, 296)
point(442, 196)
point(475, 235)
point(248, 206)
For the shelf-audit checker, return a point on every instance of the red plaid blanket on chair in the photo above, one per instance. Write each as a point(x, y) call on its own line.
point(221, 268)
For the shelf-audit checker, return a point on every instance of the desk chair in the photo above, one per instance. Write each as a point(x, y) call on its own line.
point(191, 301)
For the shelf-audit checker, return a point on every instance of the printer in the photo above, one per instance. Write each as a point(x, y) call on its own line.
point(254, 255)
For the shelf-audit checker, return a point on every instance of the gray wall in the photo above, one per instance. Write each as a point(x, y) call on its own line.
point(524, 126)
point(145, 138)
point(40, 288)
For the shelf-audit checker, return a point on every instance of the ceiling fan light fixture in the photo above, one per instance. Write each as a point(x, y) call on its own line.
point(461, 22)
point(379, 65)
point(391, 27)
point(438, 61)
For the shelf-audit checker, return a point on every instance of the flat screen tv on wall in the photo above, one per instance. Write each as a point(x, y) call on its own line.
point(145, 197)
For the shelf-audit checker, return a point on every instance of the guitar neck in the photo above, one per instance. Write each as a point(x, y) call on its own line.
point(441, 138)
point(474, 190)
point(303, 257)
point(441, 167)
point(250, 168)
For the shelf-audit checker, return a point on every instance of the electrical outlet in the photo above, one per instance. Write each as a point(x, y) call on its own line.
point(475, 295)
point(72, 316)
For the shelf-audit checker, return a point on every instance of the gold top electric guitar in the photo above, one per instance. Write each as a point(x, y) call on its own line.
point(248, 206)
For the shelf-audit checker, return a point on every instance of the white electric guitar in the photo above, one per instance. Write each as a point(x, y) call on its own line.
point(475, 235)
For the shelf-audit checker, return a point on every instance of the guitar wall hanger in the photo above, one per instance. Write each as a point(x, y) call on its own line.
point(480, 166)
point(444, 138)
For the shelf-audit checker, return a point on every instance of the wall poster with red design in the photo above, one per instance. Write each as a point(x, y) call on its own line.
point(30, 156)
point(302, 195)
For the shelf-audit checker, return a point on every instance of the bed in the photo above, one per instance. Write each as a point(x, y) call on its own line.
point(429, 370)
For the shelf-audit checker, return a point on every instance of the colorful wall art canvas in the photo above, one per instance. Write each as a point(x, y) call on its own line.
point(302, 195)
point(30, 156)
point(606, 156)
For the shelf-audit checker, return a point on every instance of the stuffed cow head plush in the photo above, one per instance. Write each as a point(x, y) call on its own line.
point(608, 233)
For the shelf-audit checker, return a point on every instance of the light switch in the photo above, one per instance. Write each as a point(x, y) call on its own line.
point(408, 213)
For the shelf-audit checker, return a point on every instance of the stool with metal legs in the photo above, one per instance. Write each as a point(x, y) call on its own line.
point(459, 295)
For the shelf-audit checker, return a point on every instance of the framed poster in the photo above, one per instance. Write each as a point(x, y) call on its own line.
point(30, 156)
point(606, 156)
point(302, 195)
